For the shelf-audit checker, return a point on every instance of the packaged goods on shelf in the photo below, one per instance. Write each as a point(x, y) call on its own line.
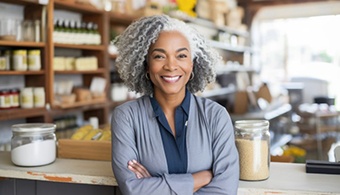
point(58, 63)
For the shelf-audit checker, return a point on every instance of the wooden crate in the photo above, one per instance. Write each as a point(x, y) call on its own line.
point(81, 149)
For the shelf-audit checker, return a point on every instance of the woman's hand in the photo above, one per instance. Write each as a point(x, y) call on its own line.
point(139, 170)
point(201, 179)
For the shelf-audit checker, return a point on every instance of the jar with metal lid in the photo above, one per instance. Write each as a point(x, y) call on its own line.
point(19, 60)
point(33, 144)
point(33, 60)
point(253, 144)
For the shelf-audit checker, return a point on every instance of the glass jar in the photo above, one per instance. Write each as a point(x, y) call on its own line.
point(5, 99)
point(33, 144)
point(253, 144)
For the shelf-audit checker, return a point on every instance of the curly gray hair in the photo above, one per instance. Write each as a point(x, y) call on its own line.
point(133, 45)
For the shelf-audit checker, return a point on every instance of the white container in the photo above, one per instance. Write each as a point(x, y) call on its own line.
point(33, 144)
point(34, 62)
point(119, 92)
point(39, 97)
point(20, 60)
point(26, 98)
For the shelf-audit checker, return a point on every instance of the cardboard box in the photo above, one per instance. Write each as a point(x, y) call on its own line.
point(241, 102)
point(84, 149)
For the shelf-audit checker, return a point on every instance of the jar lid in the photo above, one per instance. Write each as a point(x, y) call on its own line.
point(33, 128)
point(251, 125)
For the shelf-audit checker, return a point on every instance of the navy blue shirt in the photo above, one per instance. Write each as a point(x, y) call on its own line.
point(175, 148)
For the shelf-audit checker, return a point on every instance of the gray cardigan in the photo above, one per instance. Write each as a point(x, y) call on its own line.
point(210, 146)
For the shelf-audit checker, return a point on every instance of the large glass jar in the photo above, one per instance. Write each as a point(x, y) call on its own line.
point(253, 144)
point(33, 144)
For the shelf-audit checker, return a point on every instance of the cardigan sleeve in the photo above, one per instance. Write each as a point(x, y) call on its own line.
point(124, 149)
point(225, 156)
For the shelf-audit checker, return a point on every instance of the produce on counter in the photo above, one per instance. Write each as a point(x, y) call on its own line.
point(87, 132)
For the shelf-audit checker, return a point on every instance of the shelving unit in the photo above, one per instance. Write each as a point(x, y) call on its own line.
point(32, 9)
point(47, 75)
point(318, 131)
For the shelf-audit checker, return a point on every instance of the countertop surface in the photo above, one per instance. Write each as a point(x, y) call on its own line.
point(285, 178)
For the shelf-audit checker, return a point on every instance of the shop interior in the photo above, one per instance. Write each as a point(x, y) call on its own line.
point(281, 61)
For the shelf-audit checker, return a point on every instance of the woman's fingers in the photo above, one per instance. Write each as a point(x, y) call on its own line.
point(138, 169)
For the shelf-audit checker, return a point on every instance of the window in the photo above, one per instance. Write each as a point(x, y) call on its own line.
point(299, 41)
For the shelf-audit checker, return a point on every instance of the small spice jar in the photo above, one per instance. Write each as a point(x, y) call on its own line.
point(253, 144)
point(33, 144)
point(5, 99)
point(15, 94)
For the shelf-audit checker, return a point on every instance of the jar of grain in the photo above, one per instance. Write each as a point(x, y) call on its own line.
point(253, 145)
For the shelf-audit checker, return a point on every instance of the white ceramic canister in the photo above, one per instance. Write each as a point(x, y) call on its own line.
point(33, 144)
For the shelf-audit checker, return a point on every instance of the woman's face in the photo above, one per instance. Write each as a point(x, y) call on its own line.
point(170, 63)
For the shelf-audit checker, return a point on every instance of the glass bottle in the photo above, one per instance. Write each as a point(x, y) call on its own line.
point(253, 144)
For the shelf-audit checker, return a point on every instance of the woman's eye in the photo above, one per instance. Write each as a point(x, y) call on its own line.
point(182, 56)
point(157, 57)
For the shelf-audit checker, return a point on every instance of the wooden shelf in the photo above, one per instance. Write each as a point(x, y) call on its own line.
point(228, 47)
point(228, 69)
point(78, 106)
point(17, 113)
point(12, 72)
point(208, 24)
point(218, 92)
point(120, 18)
point(98, 71)
point(77, 7)
point(22, 44)
point(21, 2)
point(82, 47)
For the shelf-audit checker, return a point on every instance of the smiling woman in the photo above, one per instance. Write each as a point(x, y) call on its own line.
point(170, 141)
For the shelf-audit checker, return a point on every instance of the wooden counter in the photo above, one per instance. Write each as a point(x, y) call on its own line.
point(285, 178)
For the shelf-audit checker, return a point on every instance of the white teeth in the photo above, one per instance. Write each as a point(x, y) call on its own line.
point(171, 78)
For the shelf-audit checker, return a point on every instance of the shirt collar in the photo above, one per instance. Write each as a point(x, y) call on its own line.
point(185, 105)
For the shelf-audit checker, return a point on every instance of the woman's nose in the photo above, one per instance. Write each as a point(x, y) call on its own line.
point(171, 64)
